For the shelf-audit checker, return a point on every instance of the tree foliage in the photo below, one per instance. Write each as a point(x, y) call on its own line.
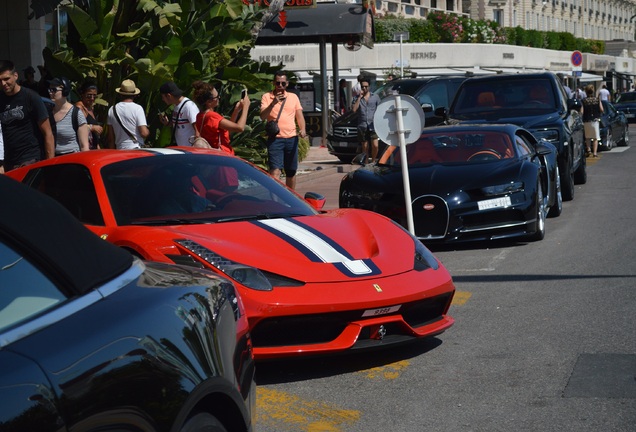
point(154, 41)
point(450, 28)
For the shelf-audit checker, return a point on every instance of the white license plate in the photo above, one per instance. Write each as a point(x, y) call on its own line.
point(494, 203)
point(630, 115)
point(348, 144)
point(381, 311)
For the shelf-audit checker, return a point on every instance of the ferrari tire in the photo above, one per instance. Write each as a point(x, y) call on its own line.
point(203, 422)
point(557, 206)
point(567, 178)
point(540, 206)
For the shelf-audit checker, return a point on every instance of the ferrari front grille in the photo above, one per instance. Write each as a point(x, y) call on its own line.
point(323, 328)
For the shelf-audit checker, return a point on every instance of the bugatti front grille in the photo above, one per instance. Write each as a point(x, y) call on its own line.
point(430, 216)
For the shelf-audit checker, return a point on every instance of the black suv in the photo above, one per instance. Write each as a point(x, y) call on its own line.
point(431, 92)
point(535, 101)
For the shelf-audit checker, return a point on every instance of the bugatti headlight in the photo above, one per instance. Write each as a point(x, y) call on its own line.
point(503, 189)
point(423, 258)
point(551, 135)
point(248, 276)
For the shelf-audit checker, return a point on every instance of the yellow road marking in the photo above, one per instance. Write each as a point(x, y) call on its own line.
point(460, 298)
point(390, 371)
point(592, 160)
point(282, 411)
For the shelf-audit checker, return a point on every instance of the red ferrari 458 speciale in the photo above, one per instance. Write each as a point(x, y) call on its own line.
point(312, 282)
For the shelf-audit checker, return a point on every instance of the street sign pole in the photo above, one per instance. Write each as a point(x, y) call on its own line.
point(405, 165)
point(401, 58)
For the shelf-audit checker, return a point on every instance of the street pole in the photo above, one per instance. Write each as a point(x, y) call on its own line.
point(401, 58)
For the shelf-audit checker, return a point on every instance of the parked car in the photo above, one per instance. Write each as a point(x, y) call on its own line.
point(92, 338)
point(535, 101)
point(613, 127)
point(468, 182)
point(431, 92)
point(312, 282)
point(626, 103)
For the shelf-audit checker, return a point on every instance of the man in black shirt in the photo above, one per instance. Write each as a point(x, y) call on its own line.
point(26, 128)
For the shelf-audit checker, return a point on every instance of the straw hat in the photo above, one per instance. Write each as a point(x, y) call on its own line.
point(128, 88)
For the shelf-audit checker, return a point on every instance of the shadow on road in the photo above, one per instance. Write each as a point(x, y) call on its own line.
point(302, 369)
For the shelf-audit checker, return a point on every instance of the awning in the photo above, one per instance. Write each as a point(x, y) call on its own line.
point(584, 77)
point(328, 22)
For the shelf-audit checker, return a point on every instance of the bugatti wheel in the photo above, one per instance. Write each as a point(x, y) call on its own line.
point(540, 206)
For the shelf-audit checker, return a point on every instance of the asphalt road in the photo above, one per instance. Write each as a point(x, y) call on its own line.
point(544, 339)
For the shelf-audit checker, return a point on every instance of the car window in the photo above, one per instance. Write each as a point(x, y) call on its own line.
point(505, 95)
point(435, 93)
point(24, 290)
point(459, 148)
point(195, 188)
point(72, 186)
point(626, 97)
point(524, 148)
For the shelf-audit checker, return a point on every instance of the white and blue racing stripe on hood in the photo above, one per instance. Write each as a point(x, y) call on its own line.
point(164, 151)
point(317, 247)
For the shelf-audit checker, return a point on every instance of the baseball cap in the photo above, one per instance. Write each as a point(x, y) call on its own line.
point(170, 87)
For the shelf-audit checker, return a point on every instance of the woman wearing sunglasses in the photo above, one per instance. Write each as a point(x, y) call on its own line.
point(88, 94)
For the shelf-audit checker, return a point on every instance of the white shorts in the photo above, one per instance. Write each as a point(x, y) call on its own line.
point(591, 130)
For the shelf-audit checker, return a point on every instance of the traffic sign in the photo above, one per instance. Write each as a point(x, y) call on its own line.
point(576, 58)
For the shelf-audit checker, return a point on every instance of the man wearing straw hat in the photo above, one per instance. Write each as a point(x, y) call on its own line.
point(127, 120)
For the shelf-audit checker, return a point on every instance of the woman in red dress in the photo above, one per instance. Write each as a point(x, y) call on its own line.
point(213, 126)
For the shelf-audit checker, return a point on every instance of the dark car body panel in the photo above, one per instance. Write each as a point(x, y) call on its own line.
point(445, 196)
point(429, 91)
point(140, 351)
point(555, 118)
point(626, 103)
point(614, 125)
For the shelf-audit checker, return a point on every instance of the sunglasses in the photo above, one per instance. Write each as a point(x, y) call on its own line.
point(54, 90)
point(364, 86)
point(90, 96)
point(281, 83)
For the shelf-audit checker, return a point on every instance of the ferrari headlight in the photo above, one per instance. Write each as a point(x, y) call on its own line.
point(503, 189)
point(248, 276)
point(424, 258)
point(551, 135)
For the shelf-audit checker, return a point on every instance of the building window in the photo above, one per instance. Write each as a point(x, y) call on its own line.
point(497, 16)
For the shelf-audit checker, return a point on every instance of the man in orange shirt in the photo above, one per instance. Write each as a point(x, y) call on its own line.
point(282, 150)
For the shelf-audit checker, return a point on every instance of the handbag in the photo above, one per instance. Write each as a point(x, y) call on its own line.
point(199, 141)
point(271, 127)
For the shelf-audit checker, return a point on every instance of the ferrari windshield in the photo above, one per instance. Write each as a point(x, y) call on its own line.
point(503, 99)
point(458, 148)
point(195, 188)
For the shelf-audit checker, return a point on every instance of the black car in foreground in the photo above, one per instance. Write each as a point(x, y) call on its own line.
point(537, 102)
point(430, 92)
point(92, 339)
point(468, 182)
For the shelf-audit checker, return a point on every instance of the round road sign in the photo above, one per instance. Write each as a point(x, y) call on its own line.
point(386, 123)
point(576, 58)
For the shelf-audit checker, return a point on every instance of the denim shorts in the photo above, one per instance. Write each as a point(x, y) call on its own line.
point(282, 154)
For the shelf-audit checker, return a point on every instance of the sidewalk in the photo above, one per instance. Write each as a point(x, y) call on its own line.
point(321, 172)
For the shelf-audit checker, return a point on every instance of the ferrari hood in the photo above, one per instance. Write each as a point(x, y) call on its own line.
point(335, 246)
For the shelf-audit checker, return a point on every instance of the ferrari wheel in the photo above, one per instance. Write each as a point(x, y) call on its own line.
point(557, 207)
point(203, 422)
point(540, 205)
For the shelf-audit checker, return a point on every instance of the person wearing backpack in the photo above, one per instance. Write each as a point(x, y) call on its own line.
point(71, 127)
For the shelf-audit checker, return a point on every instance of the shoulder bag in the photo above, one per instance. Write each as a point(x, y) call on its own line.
point(271, 127)
point(132, 137)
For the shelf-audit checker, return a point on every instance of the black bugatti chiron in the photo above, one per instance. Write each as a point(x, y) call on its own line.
point(468, 182)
